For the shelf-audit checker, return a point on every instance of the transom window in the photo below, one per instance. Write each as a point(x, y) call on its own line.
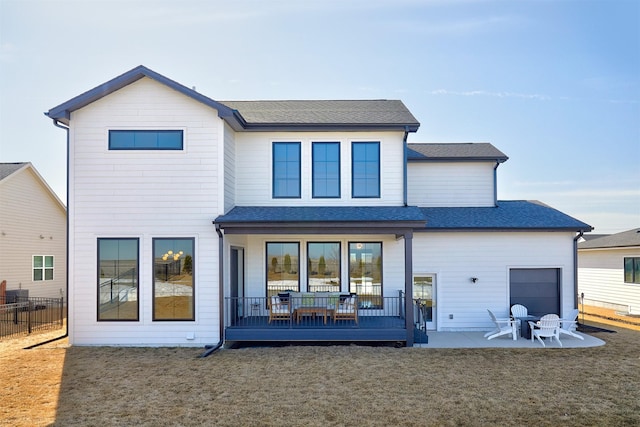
point(286, 170)
point(365, 273)
point(283, 272)
point(326, 169)
point(323, 267)
point(173, 283)
point(365, 169)
point(118, 278)
point(632, 270)
point(42, 267)
point(145, 140)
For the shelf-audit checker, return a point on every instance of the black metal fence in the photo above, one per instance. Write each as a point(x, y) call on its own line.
point(26, 315)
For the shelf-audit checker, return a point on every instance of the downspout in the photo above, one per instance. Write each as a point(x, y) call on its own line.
point(66, 332)
point(575, 268)
point(404, 171)
point(210, 349)
point(495, 184)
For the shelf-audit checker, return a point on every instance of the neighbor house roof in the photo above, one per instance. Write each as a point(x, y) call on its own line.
point(619, 240)
point(7, 169)
point(514, 215)
point(455, 152)
point(507, 215)
point(264, 115)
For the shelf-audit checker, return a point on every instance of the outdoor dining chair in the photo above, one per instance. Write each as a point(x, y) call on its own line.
point(547, 327)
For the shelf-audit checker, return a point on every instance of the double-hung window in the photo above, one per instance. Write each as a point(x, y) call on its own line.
point(326, 169)
point(145, 140)
point(286, 170)
point(632, 270)
point(42, 267)
point(118, 278)
point(365, 169)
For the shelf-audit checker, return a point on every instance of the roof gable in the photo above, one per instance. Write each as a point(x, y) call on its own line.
point(9, 170)
point(619, 240)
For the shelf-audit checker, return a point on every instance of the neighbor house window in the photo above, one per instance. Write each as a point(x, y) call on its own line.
point(365, 169)
point(118, 279)
point(42, 267)
point(145, 140)
point(323, 267)
point(173, 284)
point(632, 270)
point(365, 273)
point(286, 169)
point(282, 267)
point(326, 169)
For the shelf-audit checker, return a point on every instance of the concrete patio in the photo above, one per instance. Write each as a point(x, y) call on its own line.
point(477, 340)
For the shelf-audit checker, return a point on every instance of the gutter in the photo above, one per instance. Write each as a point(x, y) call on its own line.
point(575, 268)
point(210, 349)
point(57, 124)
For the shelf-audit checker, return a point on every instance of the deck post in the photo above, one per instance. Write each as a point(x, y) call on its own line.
point(408, 285)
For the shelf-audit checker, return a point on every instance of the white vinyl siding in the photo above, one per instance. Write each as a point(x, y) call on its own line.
point(145, 195)
point(254, 168)
point(457, 257)
point(601, 279)
point(33, 223)
point(451, 184)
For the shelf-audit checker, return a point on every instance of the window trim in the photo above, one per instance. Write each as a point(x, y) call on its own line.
point(153, 280)
point(44, 268)
point(146, 131)
point(353, 163)
point(273, 169)
point(635, 266)
point(339, 262)
point(268, 261)
point(313, 170)
point(137, 241)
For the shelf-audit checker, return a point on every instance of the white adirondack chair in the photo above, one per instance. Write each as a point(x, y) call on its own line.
point(547, 327)
point(570, 323)
point(519, 310)
point(503, 327)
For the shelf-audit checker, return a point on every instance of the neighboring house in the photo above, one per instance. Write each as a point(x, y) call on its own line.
point(609, 271)
point(186, 214)
point(33, 233)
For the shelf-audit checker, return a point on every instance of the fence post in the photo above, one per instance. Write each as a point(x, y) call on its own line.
point(29, 307)
point(61, 311)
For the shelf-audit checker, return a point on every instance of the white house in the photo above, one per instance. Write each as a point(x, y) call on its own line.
point(187, 215)
point(609, 271)
point(33, 233)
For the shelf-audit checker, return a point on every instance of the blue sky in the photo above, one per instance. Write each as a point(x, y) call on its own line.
point(555, 85)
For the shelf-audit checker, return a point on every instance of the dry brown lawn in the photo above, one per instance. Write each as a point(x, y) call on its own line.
point(55, 384)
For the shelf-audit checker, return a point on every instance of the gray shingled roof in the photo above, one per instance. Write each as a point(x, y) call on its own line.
point(507, 215)
point(325, 112)
point(455, 152)
point(618, 240)
point(7, 169)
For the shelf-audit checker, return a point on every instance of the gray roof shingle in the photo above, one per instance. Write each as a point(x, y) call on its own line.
point(7, 169)
point(454, 152)
point(618, 240)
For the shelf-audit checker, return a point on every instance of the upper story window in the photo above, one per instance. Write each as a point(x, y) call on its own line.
point(286, 170)
point(42, 267)
point(326, 169)
point(632, 270)
point(145, 140)
point(365, 169)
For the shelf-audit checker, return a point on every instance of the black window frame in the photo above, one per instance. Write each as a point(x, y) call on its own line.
point(339, 264)
point(631, 269)
point(314, 171)
point(377, 195)
point(268, 267)
point(193, 280)
point(363, 304)
point(113, 132)
point(100, 272)
point(274, 167)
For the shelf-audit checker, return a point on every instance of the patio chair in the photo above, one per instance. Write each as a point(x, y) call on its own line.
point(278, 310)
point(519, 310)
point(347, 309)
point(503, 327)
point(547, 327)
point(569, 324)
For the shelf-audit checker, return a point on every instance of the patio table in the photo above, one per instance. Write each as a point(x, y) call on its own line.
point(525, 331)
point(308, 309)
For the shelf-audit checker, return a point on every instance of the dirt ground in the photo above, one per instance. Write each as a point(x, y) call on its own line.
point(54, 384)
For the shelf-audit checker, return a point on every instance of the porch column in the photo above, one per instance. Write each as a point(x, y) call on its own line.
point(408, 285)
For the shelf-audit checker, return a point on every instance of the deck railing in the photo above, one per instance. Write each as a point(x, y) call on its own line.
point(313, 311)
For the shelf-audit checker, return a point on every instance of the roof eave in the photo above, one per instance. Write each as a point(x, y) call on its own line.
point(311, 127)
point(459, 159)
